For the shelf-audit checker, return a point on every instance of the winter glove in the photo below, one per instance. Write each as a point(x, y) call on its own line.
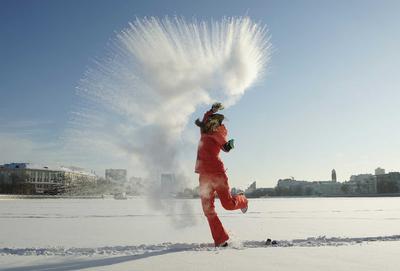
point(199, 123)
point(216, 107)
point(229, 145)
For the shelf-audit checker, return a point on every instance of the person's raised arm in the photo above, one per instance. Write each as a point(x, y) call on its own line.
point(214, 109)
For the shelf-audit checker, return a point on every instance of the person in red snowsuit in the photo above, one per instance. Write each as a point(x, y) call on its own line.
point(212, 176)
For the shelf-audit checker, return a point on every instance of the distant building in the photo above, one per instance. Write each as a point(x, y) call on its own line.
point(334, 175)
point(235, 191)
point(45, 179)
point(326, 188)
point(253, 192)
point(169, 184)
point(116, 175)
point(289, 183)
point(362, 184)
point(379, 171)
point(252, 187)
point(136, 185)
point(388, 183)
point(290, 187)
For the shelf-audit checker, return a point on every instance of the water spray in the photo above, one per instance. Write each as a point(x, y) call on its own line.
point(136, 101)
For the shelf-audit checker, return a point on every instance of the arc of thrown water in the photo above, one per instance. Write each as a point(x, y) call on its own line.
point(157, 73)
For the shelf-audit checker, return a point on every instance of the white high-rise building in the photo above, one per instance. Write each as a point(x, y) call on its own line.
point(379, 171)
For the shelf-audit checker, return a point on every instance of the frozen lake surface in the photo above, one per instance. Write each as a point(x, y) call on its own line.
point(97, 222)
point(105, 228)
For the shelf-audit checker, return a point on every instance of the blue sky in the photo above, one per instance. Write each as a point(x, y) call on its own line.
point(330, 98)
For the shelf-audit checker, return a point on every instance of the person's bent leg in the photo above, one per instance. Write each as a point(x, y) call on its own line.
point(229, 202)
point(207, 195)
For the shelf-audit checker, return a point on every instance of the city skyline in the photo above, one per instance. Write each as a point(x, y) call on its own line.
point(122, 175)
point(328, 100)
point(34, 179)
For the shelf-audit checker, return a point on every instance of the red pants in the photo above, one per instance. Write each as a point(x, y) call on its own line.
point(209, 184)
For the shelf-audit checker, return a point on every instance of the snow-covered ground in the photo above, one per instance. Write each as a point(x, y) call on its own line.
point(97, 234)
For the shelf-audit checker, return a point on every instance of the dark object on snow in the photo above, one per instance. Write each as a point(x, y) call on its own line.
point(270, 242)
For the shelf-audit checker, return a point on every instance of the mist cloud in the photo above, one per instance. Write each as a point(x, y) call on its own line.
point(136, 101)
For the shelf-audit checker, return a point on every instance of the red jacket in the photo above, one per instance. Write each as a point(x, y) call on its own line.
point(208, 161)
